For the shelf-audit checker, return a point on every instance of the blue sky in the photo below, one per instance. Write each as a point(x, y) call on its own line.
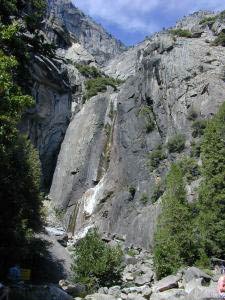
point(132, 20)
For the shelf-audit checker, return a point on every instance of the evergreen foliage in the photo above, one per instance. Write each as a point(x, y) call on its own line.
point(211, 206)
point(88, 71)
point(20, 205)
point(189, 234)
point(99, 84)
point(208, 21)
point(173, 246)
point(181, 33)
point(198, 128)
point(155, 157)
point(176, 143)
point(147, 114)
point(158, 191)
point(220, 40)
point(96, 264)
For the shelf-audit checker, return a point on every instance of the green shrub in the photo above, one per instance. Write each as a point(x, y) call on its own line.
point(190, 168)
point(198, 128)
point(195, 149)
point(99, 84)
point(132, 190)
point(220, 40)
point(95, 263)
point(222, 15)
point(208, 21)
point(144, 198)
point(88, 71)
point(147, 114)
point(132, 252)
point(181, 33)
point(155, 157)
point(176, 143)
point(158, 191)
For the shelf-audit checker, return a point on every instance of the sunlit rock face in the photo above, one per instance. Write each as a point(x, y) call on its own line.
point(102, 177)
point(92, 36)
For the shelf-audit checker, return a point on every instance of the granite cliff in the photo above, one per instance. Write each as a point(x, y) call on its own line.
point(102, 177)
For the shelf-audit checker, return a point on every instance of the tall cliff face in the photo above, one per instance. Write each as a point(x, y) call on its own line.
point(84, 30)
point(102, 176)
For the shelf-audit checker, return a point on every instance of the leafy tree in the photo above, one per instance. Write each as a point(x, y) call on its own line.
point(173, 247)
point(211, 206)
point(96, 263)
point(20, 205)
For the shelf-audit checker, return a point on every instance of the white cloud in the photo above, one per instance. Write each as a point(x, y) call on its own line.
point(143, 15)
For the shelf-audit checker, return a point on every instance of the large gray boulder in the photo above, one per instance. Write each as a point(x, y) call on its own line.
point(203, 293)
point(35, 292)
point(169, 295)
point(100, 297)
point(195, 273)
point(166, 283)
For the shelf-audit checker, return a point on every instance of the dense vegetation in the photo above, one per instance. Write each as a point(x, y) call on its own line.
point(99, 84)
point(96, 264)
point(176, 143)
point(208, 21)
point(189, 234)
point(173, 241)
point(88, 71)
point(20, 205)
point(181, 33)
point(220, 40)
point(147, 114)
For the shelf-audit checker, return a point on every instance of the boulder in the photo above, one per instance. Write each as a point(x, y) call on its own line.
point(194, 273)
point(38, 292)
point(166, 283)
point(191, 285)
point(203, 293)
point(75, 290)
point(169, 295)
point(114, 291)
point(144, 279)
point(134, 296)
point(97, 296)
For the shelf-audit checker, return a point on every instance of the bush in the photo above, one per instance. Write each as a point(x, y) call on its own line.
point(95, 263)
point(155, 157)
point(190, 168)
point(88, 71)
point(208, 21)
point(158, 191)
point(195, 149)
point(176, 143)
point(181, 33)
point(132, 191)
point(220, 40)
point(147, 114)
point(99, 84)
point(144, 198)
point(198, 128)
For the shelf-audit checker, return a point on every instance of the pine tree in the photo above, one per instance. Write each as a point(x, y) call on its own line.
point(210, 222)
point(173, 246)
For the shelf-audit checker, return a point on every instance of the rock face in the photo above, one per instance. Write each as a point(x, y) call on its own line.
point(102, 176)
point(89, 34)
point(46, 124)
